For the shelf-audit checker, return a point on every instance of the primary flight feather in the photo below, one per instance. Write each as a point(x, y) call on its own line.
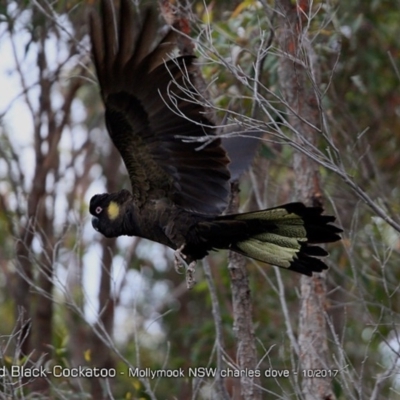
point(180, 189)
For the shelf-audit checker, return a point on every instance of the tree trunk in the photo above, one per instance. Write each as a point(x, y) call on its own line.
point(243, 313)
point(298, 80)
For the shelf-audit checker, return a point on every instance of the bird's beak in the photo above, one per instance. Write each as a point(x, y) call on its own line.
point(95, 223)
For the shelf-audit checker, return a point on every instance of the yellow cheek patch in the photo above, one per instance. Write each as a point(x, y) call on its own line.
point(113, 210)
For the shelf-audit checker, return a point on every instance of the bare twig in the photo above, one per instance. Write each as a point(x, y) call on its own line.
point(219, 339)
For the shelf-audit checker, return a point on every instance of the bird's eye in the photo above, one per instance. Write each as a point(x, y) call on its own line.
point(98, 210)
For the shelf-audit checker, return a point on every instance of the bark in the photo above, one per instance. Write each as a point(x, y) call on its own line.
point(298, 80)
point(242, 314)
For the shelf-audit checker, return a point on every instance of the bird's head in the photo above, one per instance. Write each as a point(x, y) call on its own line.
point(111, 213)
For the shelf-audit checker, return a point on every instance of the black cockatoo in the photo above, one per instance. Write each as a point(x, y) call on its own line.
point(180, 188)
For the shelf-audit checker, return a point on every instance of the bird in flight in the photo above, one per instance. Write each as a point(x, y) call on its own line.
point(180, 188)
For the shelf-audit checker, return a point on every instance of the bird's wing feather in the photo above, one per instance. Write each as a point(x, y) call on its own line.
point(144, 90)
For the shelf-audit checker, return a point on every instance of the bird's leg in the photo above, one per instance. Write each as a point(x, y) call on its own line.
point(180, 262)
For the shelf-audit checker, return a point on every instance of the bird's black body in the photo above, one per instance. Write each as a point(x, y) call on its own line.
point(178, 190)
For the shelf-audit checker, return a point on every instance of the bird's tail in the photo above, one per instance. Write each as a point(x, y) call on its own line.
point(283, 236)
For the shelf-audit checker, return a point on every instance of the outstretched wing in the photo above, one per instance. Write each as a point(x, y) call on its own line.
point(143, 89)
